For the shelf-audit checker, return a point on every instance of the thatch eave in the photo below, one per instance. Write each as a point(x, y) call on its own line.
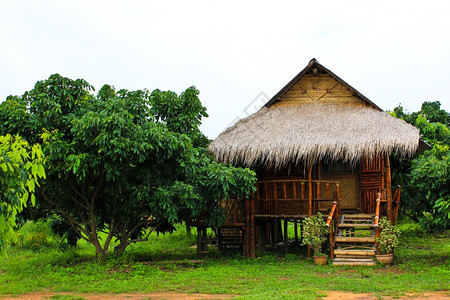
point(314, 131)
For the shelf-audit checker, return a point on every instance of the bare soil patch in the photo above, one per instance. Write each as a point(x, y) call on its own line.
point(352, 296)
point(331, 295)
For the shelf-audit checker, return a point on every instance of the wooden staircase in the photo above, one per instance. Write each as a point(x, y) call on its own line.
point(354, 243)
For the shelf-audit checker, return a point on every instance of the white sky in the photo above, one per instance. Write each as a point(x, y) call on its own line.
point(391, 51)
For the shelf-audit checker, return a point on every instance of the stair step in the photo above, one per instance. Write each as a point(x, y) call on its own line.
point(349, 225)
point(355, 259)
point(351, 256)
point(353, 263)
point(355, 239)
point(354, 252)
point(358, 216)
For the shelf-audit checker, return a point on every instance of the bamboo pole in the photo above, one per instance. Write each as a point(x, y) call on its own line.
point(338, 196)
point(252, 228)
point(247, 229)
point(285, 237)
point(377, 220)
point(303, 190)
point(295, 189)
point(310, 192)
point(388, 189)
point(318, 190)
point(309, 200)
point(275, 197)
point(295, 231)
point(262, 237)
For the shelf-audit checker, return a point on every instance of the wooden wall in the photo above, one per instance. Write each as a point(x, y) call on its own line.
point(321, 88)
point(372, 181)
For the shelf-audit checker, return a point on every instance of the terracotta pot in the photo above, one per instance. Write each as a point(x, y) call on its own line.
point(385, 258)
point(320, 260)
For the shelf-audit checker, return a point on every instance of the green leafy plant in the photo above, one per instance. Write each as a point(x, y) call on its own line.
point(127, 163)
point(315, 233)
point(389, 236)
point(21, 166)
point(425, 178)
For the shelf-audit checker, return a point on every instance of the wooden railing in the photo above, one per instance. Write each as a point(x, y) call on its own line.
point(377, 220)
point(294, 196)
point(333, 223)
point(377, 210)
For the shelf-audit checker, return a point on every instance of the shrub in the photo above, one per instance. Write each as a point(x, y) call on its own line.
point(315, 232)
point(389, 235)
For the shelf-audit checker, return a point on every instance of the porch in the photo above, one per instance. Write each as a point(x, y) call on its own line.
point(264, 219)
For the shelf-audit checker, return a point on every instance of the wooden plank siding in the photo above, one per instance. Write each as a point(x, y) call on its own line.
point(321, 88)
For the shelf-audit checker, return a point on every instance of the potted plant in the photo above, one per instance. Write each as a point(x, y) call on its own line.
point(315, 232)
point(387, 241)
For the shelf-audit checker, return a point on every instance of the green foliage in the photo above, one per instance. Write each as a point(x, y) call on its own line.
point(315, 232)
point(425, 179)
point(21, 166)
point(389, 236)
point(122, 161)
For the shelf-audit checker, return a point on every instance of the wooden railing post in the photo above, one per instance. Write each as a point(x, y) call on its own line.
point(377, 220)
point(329, 222)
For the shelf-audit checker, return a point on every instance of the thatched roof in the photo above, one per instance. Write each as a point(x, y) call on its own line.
point(314, 130)
point(308, 132)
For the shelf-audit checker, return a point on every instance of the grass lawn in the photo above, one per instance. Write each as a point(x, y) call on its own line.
point(39, 263)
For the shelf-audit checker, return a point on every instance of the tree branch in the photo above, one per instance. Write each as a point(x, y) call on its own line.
point(79, 194)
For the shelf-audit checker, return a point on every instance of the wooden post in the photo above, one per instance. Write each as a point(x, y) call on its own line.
point(252, 228)
point(388, 189)
point(262, 237)
point(199, 240)
point(275, 197)
point(273, 233)
point(310, 193)
point(204, 240)
point(247, 229)
point(318, 190)
point(285, 237)
point(331, 241)
point(303, 190)
point(377, 235)
point(338, 196)
point(295, 231)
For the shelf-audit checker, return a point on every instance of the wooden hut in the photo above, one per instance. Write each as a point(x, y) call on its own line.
point(317, 145)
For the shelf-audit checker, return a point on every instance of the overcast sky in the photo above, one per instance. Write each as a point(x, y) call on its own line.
point(232, 51)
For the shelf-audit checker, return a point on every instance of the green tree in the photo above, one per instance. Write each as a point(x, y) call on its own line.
point(123, 161)
point(21, 166)
point(426, 178)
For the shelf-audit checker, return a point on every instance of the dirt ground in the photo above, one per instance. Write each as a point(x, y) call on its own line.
point(171, 296)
